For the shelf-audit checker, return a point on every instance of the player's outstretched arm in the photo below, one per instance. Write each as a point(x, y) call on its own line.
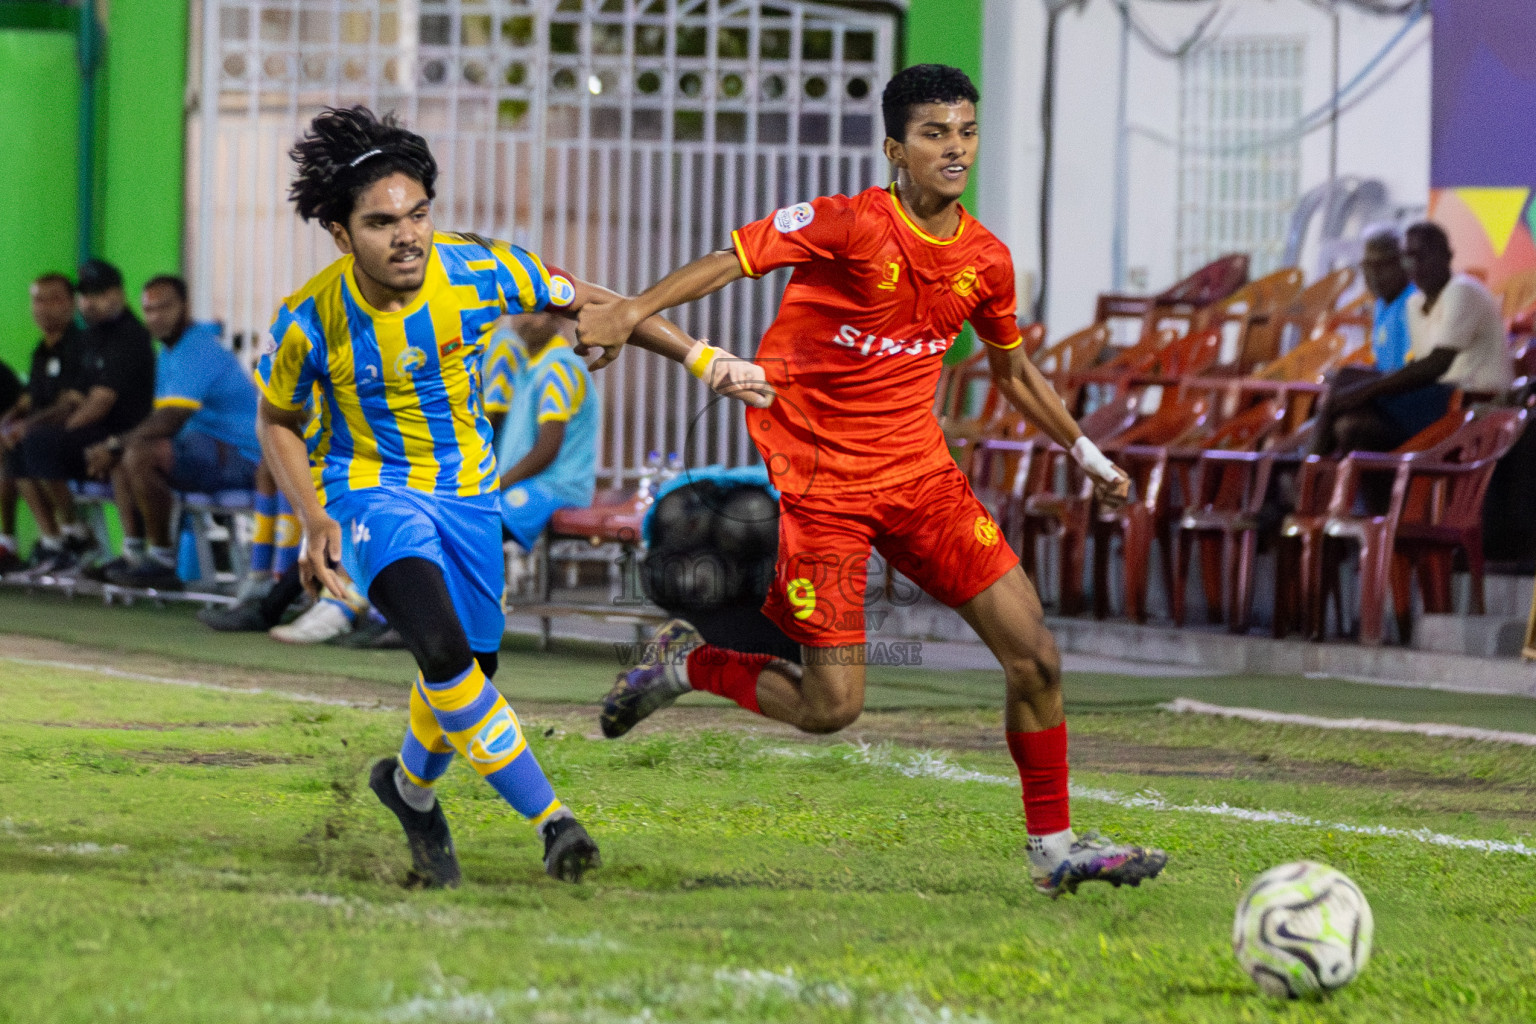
point(601, 312)
point(1019, 381)
point(281, 432)
point(609, 323)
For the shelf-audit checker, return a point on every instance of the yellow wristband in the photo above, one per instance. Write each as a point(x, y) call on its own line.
point(699, 357)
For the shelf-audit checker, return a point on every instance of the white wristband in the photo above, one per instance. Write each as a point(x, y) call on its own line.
point(1093, 461)
point(699, 358)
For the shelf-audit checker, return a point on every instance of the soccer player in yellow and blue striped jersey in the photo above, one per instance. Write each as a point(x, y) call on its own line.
point(548, 447)
point(393, 335)
point(505, 358)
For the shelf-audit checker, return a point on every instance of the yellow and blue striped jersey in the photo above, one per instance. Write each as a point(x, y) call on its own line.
point(401, 401)
point(563, 388)
point(505, 358)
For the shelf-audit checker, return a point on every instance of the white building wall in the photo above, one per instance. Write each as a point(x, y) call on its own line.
point(1384, 135)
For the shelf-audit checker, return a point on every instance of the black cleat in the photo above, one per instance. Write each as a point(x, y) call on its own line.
point(432, 856)
point(568, 850)
point(245, 617)
point(371, 635)
point(649, 687)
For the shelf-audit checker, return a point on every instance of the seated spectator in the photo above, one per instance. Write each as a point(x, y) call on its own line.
point(11, 391)
point(504, 357)
point(548, 451)
point(1457, 341)
point(55, 388)
point(1387, 280)
point(201, 436)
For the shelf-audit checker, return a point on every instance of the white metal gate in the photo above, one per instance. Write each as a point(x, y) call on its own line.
point(1239, 159)
point(616, 138)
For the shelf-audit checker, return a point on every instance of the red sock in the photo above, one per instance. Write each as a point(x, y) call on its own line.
point(730, 674)
point(1042, 760)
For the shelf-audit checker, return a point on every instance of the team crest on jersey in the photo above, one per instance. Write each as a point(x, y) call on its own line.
point(411, 360)
point(793, 218)
point(986, 531)
point(964, 283)
point(561, 291)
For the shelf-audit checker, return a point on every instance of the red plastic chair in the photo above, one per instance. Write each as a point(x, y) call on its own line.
point(1443, 515)
point(996, 416)
point(1056, 501)
point(1313, 538)
point(1180, 305)
point(1241, 317)
point(1311, 309)
point(1303, 586)
point(1222, 517)
point(1143, 452)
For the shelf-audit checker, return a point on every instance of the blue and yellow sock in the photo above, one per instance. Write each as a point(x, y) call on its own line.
point(265, 533)
point(286, 538)
point(469, 715)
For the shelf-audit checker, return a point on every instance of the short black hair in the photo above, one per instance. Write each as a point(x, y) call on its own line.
point(347, 149)
point(1433, 232)
point(98, 276)
point(170, 281)
point(54, 277)
point(922, 83)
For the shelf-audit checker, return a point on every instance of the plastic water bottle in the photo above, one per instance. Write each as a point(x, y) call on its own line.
point(188, 566)
point(646, 492)
point(674, 468)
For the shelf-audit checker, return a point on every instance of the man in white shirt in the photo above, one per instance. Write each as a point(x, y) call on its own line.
point(1458, 341)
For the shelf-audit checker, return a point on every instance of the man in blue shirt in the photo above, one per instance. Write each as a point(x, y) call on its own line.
point(201, 436)
point(548, 453)
point(1387, 279)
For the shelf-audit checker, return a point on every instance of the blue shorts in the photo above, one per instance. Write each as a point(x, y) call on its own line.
point(461, 536)
point(206, 465)
point(1412, 411)
point(526, 509)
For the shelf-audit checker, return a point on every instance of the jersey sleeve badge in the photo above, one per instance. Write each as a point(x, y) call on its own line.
point(793, 218)
point(561, 291)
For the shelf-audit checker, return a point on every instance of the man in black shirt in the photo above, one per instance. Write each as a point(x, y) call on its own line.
point(118, 384)
point(52, 393)
point(11, 390)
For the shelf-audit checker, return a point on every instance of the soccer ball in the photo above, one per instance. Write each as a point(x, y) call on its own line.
point(1302, 929)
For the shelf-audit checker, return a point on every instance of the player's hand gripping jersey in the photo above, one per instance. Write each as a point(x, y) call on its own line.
point(400, 391)
point(855, 352)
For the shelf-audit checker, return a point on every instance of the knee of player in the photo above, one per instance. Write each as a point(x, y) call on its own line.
point(1034, 673)
point(830, 719)
point(440, 659)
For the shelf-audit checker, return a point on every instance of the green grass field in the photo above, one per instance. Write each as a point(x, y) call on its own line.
point(174, 853)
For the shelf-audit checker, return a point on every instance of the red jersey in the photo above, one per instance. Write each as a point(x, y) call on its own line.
point(855, 352)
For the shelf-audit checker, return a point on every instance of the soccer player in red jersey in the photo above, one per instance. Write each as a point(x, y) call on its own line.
point(882, 283)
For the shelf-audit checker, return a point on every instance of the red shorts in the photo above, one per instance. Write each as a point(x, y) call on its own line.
point(932, 529)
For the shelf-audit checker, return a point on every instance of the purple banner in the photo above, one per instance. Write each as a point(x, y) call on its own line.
point(1484, 94)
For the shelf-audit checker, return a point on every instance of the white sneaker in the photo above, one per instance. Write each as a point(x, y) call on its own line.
point(326, 620)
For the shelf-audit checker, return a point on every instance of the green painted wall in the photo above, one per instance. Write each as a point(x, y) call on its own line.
point(945, 32)
point(39, 97)
point(141, 161)
point(949, 32)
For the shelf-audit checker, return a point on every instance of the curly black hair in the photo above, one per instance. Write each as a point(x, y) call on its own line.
point(347, 149)
point(922, 83)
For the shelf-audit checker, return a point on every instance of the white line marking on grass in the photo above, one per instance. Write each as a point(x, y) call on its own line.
point(84, 849)
point(1183, 705)
point(784, 983)
point(928, 765)
point(253, 691)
